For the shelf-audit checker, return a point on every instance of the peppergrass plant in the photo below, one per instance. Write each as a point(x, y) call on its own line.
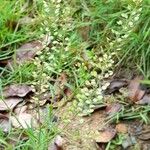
point(88, 39)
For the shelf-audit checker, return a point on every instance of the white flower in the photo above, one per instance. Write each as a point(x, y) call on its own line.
point(136, 18)
point(87, 94)
point(55, 33)
point(105, 56)
point(110, 73)
point(55, 42)
point(140, 10)
point(125, 27)
point(57, 11)
point(66, 49)
point(124, 15)
point(84, 90)
point(119, 22)
point(129, 7)
point(119, 40)
point(125, 36)
point(58, 6)
point(130, 24)
point(87, 83)
point(66, 39)
point(88, 101)
point(109, 65)
point(51, 37)
point(100, 97)
point(58, 1)
point(95, 100)
point(104, 87)
point(94, 73)
point(133, 13)
point(100, 59)
point(106, 75)
point(107, 84)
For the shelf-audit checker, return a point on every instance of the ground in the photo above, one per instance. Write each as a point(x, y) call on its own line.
point(74, 74)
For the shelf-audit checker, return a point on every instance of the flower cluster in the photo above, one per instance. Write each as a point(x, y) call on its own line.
point(53, 57)
point(90, 97)
point(126, 24)
point(91, 94)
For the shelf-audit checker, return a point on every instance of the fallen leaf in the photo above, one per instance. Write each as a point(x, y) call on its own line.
point(17, 90)
point(57, 144)
point(23, 120)
point(113, 108)
point(144, 135)
point(59, 86)
point(121, 128)
point(115, 85)
point(128, 141)
point(135, 93)
point(9, 103)
point(41, 98)
point(4, 123)
point(29, 50)
point(20, 109)
point(106, 135)
point(144, 100)
point(84, 32)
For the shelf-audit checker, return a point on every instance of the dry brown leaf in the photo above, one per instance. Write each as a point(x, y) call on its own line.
point(144, 100)
point(113, 108)
point(135, 93)
point(17, 90)
point(128, 141)
point(115, 85)
point(58, 144)
point(23, 120)
point(106, 135)
point(41, 98)
point(62, 92)
point(20, 109)
point(28, 51)
point(84, 32)
point(4, 123)
point(9, 103)
point(145, 135)
point(121, 128)
point(60, 86)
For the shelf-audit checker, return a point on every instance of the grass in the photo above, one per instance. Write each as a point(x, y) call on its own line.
point(82, 32)
point(31, 138)
point(101, 18)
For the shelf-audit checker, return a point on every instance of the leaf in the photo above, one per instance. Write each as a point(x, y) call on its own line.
point(9, 103)
point(20, 109)
point(23, 120)
point(4, 123)
point(17, 90)
point(57, 144)
point(128, 141)
point(144, 100)
point(135, 93)
point(121, 128)
point(28, 51)
point(115, 85)
point(145, 135)
point(113, 108)
point(106, 135)
point(59, 86)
